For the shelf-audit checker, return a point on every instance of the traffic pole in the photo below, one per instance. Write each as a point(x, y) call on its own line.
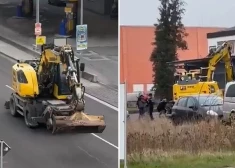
point(37, 16)
point(37, 11)
point(81, 13)
point(1, 154)
point(125, 127)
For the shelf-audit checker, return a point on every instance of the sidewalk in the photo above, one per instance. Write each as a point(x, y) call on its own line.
point(93, 89)
point(101, 58)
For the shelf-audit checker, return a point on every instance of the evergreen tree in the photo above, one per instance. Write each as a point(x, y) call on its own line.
point(169, 37)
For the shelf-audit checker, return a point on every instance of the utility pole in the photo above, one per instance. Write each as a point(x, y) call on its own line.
point(1, 154)
point(37, 11)
point(81, 13)
point(125, 127)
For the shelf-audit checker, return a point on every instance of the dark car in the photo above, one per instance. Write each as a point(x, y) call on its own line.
point(197, 107)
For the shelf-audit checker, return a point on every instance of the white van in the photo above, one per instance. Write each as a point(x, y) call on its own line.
point(229, 101)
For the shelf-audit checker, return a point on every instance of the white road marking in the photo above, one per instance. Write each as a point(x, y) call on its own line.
point(104, 140)
point(10, 87)
point(100, 101)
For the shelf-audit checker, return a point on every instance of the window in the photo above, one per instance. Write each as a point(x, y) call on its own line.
point(230, 91)
point(191, 102)
point(210, 100)
point(182, 102)
point(21, 77)
point(63, 83)
point(213, 48)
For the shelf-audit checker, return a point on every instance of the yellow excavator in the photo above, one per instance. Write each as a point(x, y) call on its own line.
point(202, 83)
point(49, 91)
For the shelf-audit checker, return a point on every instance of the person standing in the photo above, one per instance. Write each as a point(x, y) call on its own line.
point(141, 105)
point(150, 104)
point(161, 108)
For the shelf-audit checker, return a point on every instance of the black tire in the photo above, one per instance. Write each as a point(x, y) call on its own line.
point(13, 107)
point(28, 120)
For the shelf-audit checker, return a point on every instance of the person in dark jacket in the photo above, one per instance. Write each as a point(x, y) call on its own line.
point(161, 108)
point(150, 105)
point(141, 105)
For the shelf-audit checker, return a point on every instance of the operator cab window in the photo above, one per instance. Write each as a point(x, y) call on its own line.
point(230, 91)
point(21, 77)
point(62, 83)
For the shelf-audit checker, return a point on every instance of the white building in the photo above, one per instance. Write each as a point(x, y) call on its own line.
point(217, 38)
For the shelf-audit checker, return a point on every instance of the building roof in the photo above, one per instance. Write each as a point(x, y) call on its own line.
point(222, 33)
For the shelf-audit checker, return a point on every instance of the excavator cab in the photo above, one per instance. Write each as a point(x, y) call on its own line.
point(61, 88)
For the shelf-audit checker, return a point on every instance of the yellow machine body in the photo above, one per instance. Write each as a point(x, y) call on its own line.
point(24, 80)
point(182, 90)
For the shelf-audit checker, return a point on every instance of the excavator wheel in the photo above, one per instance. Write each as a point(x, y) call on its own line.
point(51, 125)
point(29, 122)
point(13, 107)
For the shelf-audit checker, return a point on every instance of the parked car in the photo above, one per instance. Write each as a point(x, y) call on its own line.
point(197, 107)
point(229, 102)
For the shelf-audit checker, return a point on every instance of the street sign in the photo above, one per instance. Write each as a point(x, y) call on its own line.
point(81, 37)
point(4, 148)
point(40, 40)
point(38, 29)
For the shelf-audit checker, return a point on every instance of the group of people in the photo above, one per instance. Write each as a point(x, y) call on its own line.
point(146, 103)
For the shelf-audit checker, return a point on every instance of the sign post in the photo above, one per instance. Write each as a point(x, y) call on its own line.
point(81, 37)
point(4, 150)
point(123, 124)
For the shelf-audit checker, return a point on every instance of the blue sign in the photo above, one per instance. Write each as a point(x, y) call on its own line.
point(81, 37)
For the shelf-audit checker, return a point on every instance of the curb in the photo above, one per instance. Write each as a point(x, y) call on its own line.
point(85, 75)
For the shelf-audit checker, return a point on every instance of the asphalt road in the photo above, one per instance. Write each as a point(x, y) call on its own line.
point(38, 148)
point(101, 57)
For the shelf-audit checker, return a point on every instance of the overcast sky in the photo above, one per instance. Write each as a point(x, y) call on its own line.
point(213, 13)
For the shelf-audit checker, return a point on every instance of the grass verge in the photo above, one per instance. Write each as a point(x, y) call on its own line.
point(160, 144)
point(219, 160)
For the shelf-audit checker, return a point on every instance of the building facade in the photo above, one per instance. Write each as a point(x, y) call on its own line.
point(136, 48)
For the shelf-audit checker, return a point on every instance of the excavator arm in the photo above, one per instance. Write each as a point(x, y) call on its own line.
point(72, 75)
point(50, 58)
point(222, 53)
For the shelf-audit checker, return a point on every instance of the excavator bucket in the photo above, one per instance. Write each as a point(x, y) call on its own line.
point(79, 122)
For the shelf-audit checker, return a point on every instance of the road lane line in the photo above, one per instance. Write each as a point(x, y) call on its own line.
point(102, 102)
point(10, 87)
point(104, 140)
point(107, 142)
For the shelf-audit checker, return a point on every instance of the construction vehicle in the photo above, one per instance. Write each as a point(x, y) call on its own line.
point(203, 82)
point(49, 91)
